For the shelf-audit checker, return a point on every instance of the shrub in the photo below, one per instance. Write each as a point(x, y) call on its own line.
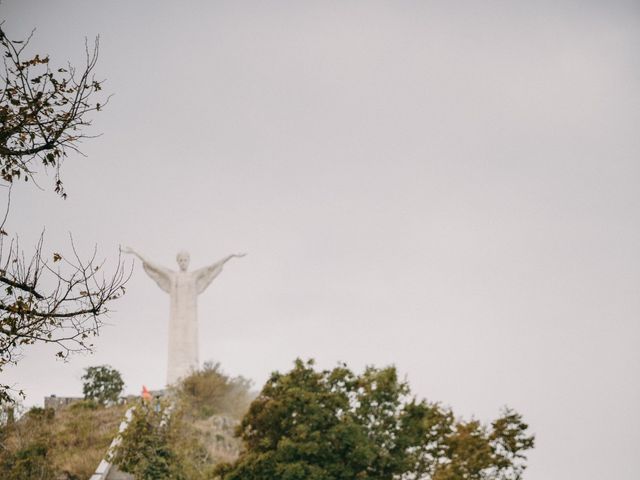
point(210, 392)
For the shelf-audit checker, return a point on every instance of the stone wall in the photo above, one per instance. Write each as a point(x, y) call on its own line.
point(56, 402)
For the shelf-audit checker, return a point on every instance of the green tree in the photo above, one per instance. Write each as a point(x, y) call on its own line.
point(160, 444)
point(336, 425)
point(148, 454)
point(102, 384)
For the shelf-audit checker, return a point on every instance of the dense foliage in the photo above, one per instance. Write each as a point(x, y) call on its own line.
point(305, 424)
point(336, 425)
point(159, 444)
point(184, 435)
point(102, 384)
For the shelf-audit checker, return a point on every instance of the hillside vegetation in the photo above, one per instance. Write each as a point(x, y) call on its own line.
point(187, 433)
point(189, 430)
point(64, 444)
point(305, 424)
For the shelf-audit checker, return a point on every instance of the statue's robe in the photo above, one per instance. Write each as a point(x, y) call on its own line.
point(183, 289)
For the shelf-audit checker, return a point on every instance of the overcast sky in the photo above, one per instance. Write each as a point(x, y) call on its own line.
point(450, 187)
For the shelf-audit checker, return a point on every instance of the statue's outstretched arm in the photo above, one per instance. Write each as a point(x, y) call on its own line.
point(143, 259)
point(229, 257)
point(205, 275)
point(161, 275)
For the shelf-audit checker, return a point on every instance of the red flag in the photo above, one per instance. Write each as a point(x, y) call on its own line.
point(146, 395)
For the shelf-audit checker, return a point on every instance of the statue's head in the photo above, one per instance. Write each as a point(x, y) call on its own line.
point(183, 260)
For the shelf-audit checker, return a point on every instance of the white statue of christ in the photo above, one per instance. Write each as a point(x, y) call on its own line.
point(183, 288)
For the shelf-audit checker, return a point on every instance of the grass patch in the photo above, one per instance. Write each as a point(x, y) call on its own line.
point(67, 443)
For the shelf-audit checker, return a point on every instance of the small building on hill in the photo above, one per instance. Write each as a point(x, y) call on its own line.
point(56, 403)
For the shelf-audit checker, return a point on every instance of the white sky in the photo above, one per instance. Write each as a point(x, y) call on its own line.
point(451, 187)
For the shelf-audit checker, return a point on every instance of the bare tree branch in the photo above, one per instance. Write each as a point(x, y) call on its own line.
point(43, 111)
point(63, 305)
point(47, 298)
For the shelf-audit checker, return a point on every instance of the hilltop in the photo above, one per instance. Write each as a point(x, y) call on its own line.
point(67, 443)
